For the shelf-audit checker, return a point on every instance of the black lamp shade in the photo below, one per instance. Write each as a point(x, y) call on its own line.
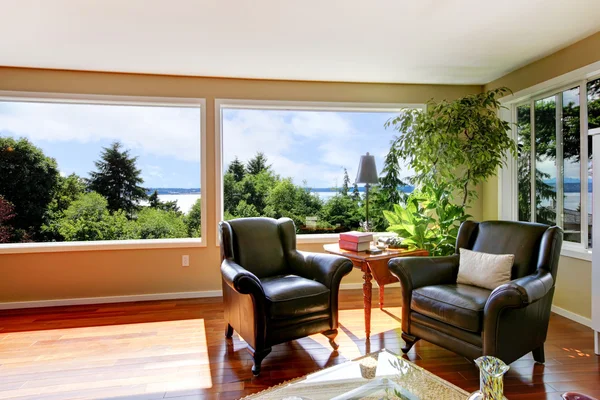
point(367, 170)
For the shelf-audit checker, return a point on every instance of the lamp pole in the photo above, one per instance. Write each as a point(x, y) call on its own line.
point(367, 174)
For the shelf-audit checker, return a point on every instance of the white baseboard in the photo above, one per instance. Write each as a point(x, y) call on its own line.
point(192, 295)
point(109, 299)
point(572, 316)
point(350, 286)
point(128, 299)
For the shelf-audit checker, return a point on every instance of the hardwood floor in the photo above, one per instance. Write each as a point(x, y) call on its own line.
point(176, 350)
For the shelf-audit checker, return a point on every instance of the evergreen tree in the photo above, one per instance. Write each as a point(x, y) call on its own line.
point(355, 192)
point(117, 179)
point(390, 180)
point(258, 164)
point(346, 185)
point(237, 169)
point(387, 193)
point(153, 200)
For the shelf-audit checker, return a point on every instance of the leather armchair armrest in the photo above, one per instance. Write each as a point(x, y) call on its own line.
point(520, 292)
point(327, 269)
point(506, 311)
point(416, 272)
point(241, 280)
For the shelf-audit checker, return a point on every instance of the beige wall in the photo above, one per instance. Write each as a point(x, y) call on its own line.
point(573, 287)
point(580, 54)
point(44, 276)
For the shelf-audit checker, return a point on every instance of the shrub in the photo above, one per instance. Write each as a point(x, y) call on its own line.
point(88, 219)
point(154, 223)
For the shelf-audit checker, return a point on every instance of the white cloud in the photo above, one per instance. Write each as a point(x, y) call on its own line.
point(304, 145)
point(163, 131)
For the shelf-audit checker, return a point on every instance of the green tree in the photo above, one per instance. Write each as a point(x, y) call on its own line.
point(245, 210)
point(232, 193)
point(288, 200)
point(345, 189)
point(387, 193)
point(155, 202)
point(193, 219)
point(342, 212)
point(255, 188)
point(88, 218)
point(236, 169)
point(258, 164)
point(6, 214)
point(355, 192)
point(69, 189)
point(152, 223)
point(118, 179)
point(28, 180)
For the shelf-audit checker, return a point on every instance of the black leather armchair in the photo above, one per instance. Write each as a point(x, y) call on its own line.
point(507, 322)
point(273, 293)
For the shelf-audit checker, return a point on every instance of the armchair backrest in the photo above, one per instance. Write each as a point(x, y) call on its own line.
point(259, 244)
point(534, 245)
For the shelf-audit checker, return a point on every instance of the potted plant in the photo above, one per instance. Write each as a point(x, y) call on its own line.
point(452, 147)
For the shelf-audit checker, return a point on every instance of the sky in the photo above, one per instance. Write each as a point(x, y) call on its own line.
point(166, 140)
point(304, 145)
point(308, 146)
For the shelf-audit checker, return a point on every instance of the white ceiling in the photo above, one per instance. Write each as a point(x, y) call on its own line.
point(417, 41)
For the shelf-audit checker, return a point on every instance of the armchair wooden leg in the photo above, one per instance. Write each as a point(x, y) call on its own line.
point(228, 331)
point(258, 356)
point(410, 342)
point(538, 355)
point(331, 334)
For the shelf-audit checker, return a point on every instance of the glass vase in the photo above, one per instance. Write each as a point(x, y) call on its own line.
point(491, 378)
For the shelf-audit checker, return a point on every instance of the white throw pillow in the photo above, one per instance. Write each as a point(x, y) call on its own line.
point(483, 269)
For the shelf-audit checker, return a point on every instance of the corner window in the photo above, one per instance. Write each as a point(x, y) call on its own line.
point(77, 171)
point(553, 183)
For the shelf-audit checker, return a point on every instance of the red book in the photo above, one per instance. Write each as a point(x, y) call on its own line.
point(356, 237)
point(352, 246)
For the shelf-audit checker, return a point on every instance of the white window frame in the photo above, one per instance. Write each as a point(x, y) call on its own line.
point(289, 106)
point(507, 177)
point(96, 245)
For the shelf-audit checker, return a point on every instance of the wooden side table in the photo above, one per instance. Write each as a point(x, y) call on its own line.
point(373, 266)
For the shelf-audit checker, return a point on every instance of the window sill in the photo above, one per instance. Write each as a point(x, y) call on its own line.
point(576, 251)
point(323, 238)
point(317, 238)
point(100, 245)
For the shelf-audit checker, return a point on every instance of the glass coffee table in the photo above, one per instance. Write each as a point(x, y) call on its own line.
point(379, 375)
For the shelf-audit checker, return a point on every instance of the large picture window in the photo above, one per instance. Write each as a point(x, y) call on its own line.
point(300, 163)
point(76, 171)
point(554, 184)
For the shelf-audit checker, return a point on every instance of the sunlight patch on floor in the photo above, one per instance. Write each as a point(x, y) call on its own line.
point(133, 358)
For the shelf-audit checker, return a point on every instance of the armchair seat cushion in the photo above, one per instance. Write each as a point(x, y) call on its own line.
point(456, 304)
point(291, 296)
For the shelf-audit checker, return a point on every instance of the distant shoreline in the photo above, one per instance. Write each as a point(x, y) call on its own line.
point(164, 191)
point(568, 187)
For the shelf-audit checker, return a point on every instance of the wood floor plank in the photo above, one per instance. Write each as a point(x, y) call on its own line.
point(175, 349)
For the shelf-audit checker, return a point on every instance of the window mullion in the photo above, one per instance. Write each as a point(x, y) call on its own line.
point(583, 162)
point(532, 158)
point(560, 192)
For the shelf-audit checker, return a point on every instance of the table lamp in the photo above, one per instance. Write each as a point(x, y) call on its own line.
point(367, 174)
